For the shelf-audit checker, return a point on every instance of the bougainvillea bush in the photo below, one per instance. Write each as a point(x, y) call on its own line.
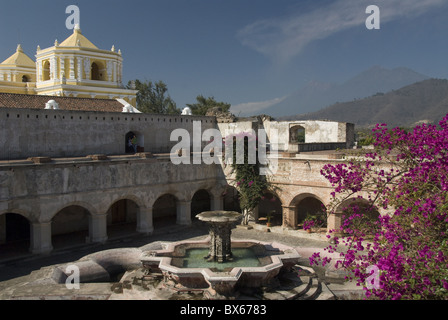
point(250, 183)
point(406, 177)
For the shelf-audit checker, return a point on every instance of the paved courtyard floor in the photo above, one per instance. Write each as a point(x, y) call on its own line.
point(14, 272)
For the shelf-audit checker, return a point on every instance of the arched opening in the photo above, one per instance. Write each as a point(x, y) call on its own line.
point(46, 71)
point(122, 218)
point(70, 226)
point(97, 72)
point(297, 134)
point(14, 235)
point(200, 202)
point(231, 199)
point(270, 209)
point(308, 207)
point(164, 211)
point(358, 215)
point(134, 142)
point(25, 78)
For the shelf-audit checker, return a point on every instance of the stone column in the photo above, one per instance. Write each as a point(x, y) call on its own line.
point(80, 75)
point(334, 222)
point(54, 68)
point(183, 212)
point(217, 202)
point(289, 217)
point(72, 68)
point(40, 238)
point(144, 221)
point(62, 71)
point(97, 228)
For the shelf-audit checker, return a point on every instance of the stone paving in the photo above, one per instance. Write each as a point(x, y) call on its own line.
point(27, 278)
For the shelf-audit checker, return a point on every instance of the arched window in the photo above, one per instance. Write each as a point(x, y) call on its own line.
point(297, 134)
point(46, 71)
point(95, 72)
point(25, 79)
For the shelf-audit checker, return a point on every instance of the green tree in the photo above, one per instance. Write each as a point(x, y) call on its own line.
point(153, 97)
point(203, 104)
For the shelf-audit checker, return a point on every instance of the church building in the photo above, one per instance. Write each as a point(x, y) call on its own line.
point(73, 68)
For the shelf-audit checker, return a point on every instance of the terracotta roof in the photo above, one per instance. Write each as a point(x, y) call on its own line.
point(25, 101)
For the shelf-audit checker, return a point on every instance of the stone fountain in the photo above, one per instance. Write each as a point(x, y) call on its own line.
point(228, 267)
point(220, 233)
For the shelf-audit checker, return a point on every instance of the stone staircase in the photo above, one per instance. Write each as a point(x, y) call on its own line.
point(300, 284)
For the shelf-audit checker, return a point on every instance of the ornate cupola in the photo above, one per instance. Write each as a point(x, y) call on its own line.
point(78, 68)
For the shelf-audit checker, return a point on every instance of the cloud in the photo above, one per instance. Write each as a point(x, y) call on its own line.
point(282, 38)
point(254, 107)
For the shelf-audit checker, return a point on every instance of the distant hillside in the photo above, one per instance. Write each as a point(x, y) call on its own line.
point(316, 95)
point(422, 101)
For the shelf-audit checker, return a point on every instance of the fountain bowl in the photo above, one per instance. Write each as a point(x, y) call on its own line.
point(274, 259)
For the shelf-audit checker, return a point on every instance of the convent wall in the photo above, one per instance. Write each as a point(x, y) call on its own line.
point(59, 133)
point(70, 179)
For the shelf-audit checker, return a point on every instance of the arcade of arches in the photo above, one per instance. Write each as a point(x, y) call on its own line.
point(75, 224)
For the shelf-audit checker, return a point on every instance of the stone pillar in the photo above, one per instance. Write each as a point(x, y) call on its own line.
point(62, 71)
point(54, 68)
point(79, 64)
point(334, 222)
point(144, 221)
point(87, 68)
point(289, 217)
point(183, 212)
point(97, 228)
point(217, 202)
point(40, 240)
point(72, 68)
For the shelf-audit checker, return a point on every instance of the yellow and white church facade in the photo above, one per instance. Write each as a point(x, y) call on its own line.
point(72, 68)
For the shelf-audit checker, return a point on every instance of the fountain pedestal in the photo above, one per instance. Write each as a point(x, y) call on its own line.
point(220, 233)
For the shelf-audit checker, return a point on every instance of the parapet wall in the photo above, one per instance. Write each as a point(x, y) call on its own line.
point(28, 133)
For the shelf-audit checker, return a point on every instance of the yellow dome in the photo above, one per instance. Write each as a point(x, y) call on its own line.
point(19, 59)
point(77, 40)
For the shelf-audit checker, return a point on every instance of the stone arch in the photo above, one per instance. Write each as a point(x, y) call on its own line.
point(123, 211)
point(70, 225)
point(164, 210)
point(308, 204)
point(270, 204)
point(15, 234)
point(46, 75)
point(351, 206)
point(97, 71)
point(365, 207)
point(201, 201)
point(140, 142)
point(297, 134)
point(26, 78)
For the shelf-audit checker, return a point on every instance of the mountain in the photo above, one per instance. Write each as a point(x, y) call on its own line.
point(317, 95)
point(422, 101)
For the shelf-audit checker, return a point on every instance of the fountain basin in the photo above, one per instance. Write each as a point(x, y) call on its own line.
point(272, 259)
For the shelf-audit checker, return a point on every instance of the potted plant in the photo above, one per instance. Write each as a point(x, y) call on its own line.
point(269, 216)
point(308, 223)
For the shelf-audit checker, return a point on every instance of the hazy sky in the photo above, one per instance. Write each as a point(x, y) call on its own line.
point(250, 53)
